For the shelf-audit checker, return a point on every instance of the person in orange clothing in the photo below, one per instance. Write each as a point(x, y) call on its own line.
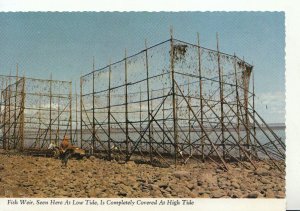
point(65, 144)
point(67, 150)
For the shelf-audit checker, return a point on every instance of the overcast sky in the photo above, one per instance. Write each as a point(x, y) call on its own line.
point(64, 43)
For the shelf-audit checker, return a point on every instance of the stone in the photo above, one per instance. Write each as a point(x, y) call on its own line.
point(163, 185)
point(235, 185)
point(264, 181)
point(280, 194)
point(218, 194)
point(92, 158)
point(269, 194)
point(253, 194)
point(262, 172)
point(122, 193)
point(219, 171)
point(182, 174)
point(235, 194)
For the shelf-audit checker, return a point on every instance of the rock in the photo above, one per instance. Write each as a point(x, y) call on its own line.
point(193, 195)
point(253, 194)
point(262, 172)
point(264, 181)
point(235, 185)
point(1, 168)
point(163, 185)
point(280, 194)
point(218, 194)
point(182, 174)
point(235, 194)
point(219, 171)
point(269, 194)
point(154, 187)
point(204, 195)
point(92, 158)
point(122, 193)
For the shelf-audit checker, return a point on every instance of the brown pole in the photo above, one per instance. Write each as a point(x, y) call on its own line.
point(22, 116)
point(237, 104)
point(201, 95)
point(15, 107)
point(4, 117)
point(126, 108)
point(9, 110)
point(253, 107)
point(94, 128)
point(108, 116)
point(221, 97)
point(189, 115)
point(246, 83)
point(148, 101)
point(70, 101)
point(81, 112)
point(163, 110)
point(174, 97)
point(50, 111)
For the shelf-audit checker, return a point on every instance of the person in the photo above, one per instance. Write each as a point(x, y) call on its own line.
point(52, 145)
point(66, 150)
point(91, 149)
point(65, 144)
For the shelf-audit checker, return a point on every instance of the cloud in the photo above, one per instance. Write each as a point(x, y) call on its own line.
point(271, 106)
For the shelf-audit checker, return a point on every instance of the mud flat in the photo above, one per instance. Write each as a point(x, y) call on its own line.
point(27, 176)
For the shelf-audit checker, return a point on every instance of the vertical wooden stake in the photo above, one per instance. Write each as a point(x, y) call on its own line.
point(81, 107)
point(126, 109)
point(109, 114)
point(94, 127)
point(50, 111)
point(148, 101)
point(172, 50)
point(221, 97)
point(71, 123)
point(237, 104)
point(201, 96)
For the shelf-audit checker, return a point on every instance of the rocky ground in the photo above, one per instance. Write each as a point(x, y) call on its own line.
point(26, 176)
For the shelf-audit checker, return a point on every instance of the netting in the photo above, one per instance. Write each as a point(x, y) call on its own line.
point(175, 99)
point(34, 112)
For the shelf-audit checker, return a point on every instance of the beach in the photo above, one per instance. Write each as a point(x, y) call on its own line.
point(39, 177)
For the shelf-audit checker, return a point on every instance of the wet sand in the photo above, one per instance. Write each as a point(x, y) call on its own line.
point(27, 176)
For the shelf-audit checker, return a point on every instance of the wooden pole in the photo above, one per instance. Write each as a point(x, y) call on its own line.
point(253, 107)
point(76, 116)
point(201, 95)
point(246, 88)
point(148, 101)
point(81, 120)
point(221, 98)
point(126, 108)
point(237, 104)
point(163, 110)
point(94, 128)
point(5, 117)
point(50, 111)
point(174, 97)
point(189, 115)
point(22, 116)
point(9, 114)
point(15, 108)
point(71, 123)
point(109, 114)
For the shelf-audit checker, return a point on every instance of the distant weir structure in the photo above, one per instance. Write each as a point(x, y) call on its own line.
point(173, 102)
point(34, 112)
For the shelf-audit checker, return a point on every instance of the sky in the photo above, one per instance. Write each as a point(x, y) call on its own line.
point(64, 44)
